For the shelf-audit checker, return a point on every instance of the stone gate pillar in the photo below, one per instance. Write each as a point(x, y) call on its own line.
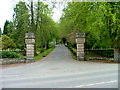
point(116, 55)
point(80, 40)
point(30, 41)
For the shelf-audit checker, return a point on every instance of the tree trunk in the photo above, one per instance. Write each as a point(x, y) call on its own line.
point(33, 25)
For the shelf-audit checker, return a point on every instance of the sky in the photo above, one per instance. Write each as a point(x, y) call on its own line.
point(6, 11)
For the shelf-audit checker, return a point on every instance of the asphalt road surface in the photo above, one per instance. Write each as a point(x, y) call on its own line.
point(59, 70)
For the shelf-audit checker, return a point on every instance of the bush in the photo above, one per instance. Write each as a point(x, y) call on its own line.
point(105, 53)
point(7, 42)
point(7, 54)
point(41, 49)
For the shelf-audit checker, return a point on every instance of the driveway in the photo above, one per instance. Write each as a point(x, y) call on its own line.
point(59, 70)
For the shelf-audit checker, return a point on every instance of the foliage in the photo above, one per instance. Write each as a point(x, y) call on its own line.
point(7, 42)
point(99, 20)
point(102, 53)
point(7, 54)
point(73, 52)
point(45, 26)
point(21, 24)
point(35, 18)
point(5, 30)
point(0, 32)
point(43, 54)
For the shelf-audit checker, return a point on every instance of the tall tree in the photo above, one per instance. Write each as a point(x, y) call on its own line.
point(5, 30)
point(11, 30)
point(99, 20)
point(0, 32)
point(21, 23)
point(32, 17)
point(44, 25)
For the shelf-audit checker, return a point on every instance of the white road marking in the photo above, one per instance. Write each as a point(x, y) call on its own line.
point(80, 86)
point(100, 83)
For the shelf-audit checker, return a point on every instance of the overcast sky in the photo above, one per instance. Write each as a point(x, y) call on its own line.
point(6, 11)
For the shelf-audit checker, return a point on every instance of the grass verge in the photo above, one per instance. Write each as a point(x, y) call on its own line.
point(43, 54)
point(73, 53)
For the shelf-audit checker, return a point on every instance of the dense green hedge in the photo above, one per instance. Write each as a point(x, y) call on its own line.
point(7, 54)
point(105, 53)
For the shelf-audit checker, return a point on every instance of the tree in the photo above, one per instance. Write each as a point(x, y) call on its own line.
point(44, 25)
point(5, 30)
point(0, 32)
point(21, 23)
point(35, 18)
point(11, 31)
point(99, 20)
point(32, 18)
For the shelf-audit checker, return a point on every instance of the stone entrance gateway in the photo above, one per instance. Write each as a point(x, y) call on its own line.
point(80, 40)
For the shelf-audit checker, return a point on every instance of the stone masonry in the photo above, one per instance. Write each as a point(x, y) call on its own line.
point(80, 40)
point(116, 55)
point(30, 41)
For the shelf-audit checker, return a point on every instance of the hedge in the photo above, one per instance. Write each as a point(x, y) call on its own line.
point(7, 54)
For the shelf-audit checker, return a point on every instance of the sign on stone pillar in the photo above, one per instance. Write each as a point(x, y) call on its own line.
point(80, 40)
point(30, 41)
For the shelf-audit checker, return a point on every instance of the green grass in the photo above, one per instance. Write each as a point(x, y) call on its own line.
point(43, 54)
point(74, 57)
point(71, 51)
point(22, 56)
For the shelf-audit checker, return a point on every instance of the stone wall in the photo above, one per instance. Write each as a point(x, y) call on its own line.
point(6, 61)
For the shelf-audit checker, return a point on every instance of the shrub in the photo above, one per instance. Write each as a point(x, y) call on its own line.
point(7, 54)
point(106, 53)
point(7, 42)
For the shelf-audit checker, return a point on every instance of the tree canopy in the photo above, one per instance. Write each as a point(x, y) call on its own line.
point(99, 20)
point(35, 18)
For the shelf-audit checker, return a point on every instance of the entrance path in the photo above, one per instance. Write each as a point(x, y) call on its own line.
point(59, 70)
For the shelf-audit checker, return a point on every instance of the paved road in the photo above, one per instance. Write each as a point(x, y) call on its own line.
point(59, 70)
